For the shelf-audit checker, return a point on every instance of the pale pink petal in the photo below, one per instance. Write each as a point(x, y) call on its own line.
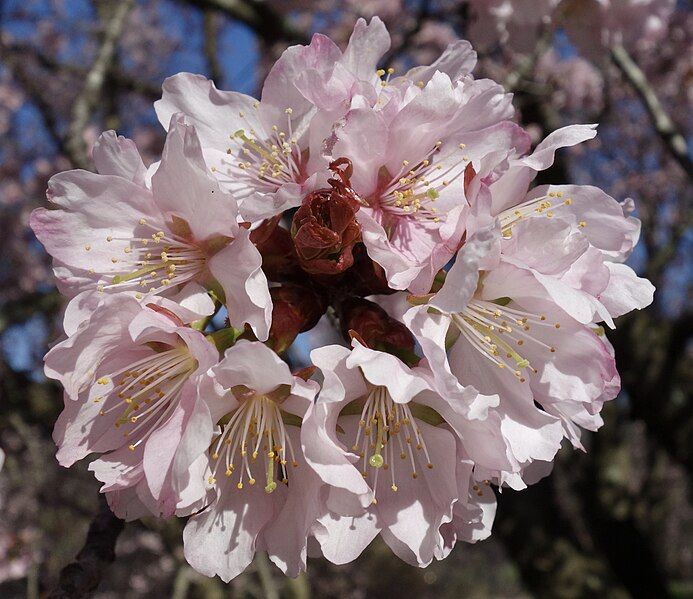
point(254, 365)
point(380, 368)
point(456, 61)
point(183, 187)
point(116, 155)
point(238, 269)
point(221, 540)
point(367, 45)
point(461, 280)
point(626, 291)
point(286, 536)
point(215, 114)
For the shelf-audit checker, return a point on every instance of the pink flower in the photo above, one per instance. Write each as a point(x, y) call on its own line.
point(517, 312)
point(257, 150)
point(129, 376)
point(572, 238)
point(112, 233)
point(262, 494)
point(388, 447)
point(505, 332)
point(409, 158)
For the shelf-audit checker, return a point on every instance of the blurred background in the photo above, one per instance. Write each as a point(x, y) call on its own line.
point(614, 522)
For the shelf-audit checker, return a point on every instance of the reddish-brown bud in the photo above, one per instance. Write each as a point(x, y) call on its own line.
point(370, 324)
point(295, 309)
point(279, 259)
point(324, 228)
point(365, 277)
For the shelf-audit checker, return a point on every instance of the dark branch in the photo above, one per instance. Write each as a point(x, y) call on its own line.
point(259, 16)
point(674, 141)
point(211, 46)
point(83, 575)
point(88, 99)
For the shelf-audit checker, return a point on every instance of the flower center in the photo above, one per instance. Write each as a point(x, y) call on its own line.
point(386, 429)
point(254, 431)
point(146, 391)
point(263, 163)
point(414, 191)
point(153, 263)
point(500, 333)
point(548, 206)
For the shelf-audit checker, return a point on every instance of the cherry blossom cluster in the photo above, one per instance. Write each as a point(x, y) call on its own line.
point(399, 210)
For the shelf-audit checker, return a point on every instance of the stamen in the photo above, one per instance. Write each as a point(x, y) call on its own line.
point(485, 325)
point(381, 422)
point(154, 381)
point(256, 424)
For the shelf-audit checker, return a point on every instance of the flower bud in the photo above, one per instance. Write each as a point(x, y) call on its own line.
point(279, 259)
point(324, 228)
point(372, 326)
point(295, 309)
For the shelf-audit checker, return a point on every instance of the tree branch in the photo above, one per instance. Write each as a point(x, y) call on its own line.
point(259, 16)
point(88, 98)
point(83, 575)
point(211, 49)
point(34, 90)
point(408, 37)
point(119, 77)
point(527, 64)
point(665, 127)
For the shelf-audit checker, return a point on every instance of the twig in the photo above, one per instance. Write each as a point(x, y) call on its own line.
point(527, 64)
point(35, 92)
point(665, 127)
point(269, 587)
point(120, 78)
point(211, 49)
point(88, 98)
point(27, 305)
point(83, 575)
point(299, 586)
point(259, 16)
point(423, 13)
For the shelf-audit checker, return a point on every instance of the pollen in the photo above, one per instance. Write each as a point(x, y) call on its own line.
point(393, 429)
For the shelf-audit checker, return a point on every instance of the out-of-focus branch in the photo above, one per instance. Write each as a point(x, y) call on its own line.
point(269, 586)
point(211, 45)
point(88, 98)
point(83, 575)
point(26, 306)
point(259, 16)
point(421, 16)
point(527, 64)
point(122, 80)
point(34, 91)
point(665, 127)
